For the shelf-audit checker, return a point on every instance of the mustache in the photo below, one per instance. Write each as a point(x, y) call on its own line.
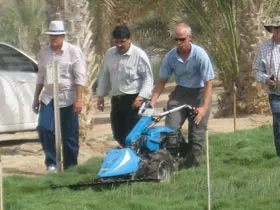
point(120, 48)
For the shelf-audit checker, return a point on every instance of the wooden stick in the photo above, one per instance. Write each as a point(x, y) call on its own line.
point(57, 116)
point(208, 173)
point(234, 107)
point(1, 186)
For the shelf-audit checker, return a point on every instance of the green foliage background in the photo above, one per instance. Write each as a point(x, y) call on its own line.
point(22, 24)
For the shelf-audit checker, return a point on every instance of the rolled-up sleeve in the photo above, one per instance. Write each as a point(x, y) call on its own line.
point(146, 73)
point(103, 80)
point(40, 74)
point(79, 68)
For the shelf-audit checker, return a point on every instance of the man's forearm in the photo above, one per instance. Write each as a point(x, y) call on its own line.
point(79, 92)
point(207, 93)
point(157, 90)
point(38, 90)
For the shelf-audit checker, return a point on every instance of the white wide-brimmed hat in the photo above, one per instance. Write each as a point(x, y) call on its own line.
point(56, 28)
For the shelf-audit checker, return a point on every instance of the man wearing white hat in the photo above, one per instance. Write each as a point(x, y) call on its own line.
point(72, 66)
point(266, 68)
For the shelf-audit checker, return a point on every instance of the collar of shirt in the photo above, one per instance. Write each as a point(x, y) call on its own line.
point(63, 48)
point(192, 53)
point(271, 43)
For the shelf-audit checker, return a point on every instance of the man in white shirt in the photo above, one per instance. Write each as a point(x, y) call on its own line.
point(127, 69)
point(72, 66)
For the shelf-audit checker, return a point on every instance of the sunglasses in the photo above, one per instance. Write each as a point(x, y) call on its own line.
point(180, 39)
point(276, 27)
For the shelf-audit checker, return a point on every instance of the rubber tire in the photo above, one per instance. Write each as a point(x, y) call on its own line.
point(160, 165)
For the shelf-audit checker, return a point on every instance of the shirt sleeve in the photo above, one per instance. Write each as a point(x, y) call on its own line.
point(103, 79)
point(165, 70)
point(259, 71)
point(79, 67)
point(207, 71)
point(40, 74)
point(147, 77)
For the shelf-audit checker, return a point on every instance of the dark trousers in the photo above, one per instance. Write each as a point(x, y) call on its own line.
point(274, 101)
point(196, 133)
point(123, 117)
point(69, 132)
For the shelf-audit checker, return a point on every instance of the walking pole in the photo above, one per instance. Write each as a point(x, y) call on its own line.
point(208, 172)
point(234, 107)
point(56, 80)
point(1, 186)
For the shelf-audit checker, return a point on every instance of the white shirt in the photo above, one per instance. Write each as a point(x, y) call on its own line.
point(72, 65)
point(129, 73)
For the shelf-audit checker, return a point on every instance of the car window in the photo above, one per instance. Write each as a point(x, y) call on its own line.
point(13, 60)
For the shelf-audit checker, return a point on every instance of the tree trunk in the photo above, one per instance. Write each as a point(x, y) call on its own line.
point(251, 98)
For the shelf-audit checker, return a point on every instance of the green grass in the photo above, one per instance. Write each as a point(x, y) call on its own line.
point(244, 175)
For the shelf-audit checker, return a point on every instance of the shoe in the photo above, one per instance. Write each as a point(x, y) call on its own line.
point(51, 169)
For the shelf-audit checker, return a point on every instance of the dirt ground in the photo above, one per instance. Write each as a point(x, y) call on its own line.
point(21, 153)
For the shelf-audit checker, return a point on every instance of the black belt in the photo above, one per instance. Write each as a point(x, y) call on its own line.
point(124, 96)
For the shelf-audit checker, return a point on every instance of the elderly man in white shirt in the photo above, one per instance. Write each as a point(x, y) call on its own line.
point(72, 66)
point(127, 69)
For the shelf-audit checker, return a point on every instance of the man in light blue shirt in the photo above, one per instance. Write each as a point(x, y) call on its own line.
point(193, 73)
point(127, 69)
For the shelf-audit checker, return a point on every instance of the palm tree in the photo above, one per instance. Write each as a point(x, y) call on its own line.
point(22, 24)
point(89, 25)
point(103, 13)
point(223, 28)
point(252, 97)
point(217, 25)
point(229, 30)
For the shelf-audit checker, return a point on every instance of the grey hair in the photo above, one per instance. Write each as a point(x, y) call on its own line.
point(186, 27)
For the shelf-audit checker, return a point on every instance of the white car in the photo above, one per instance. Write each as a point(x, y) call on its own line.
point(17, 86)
